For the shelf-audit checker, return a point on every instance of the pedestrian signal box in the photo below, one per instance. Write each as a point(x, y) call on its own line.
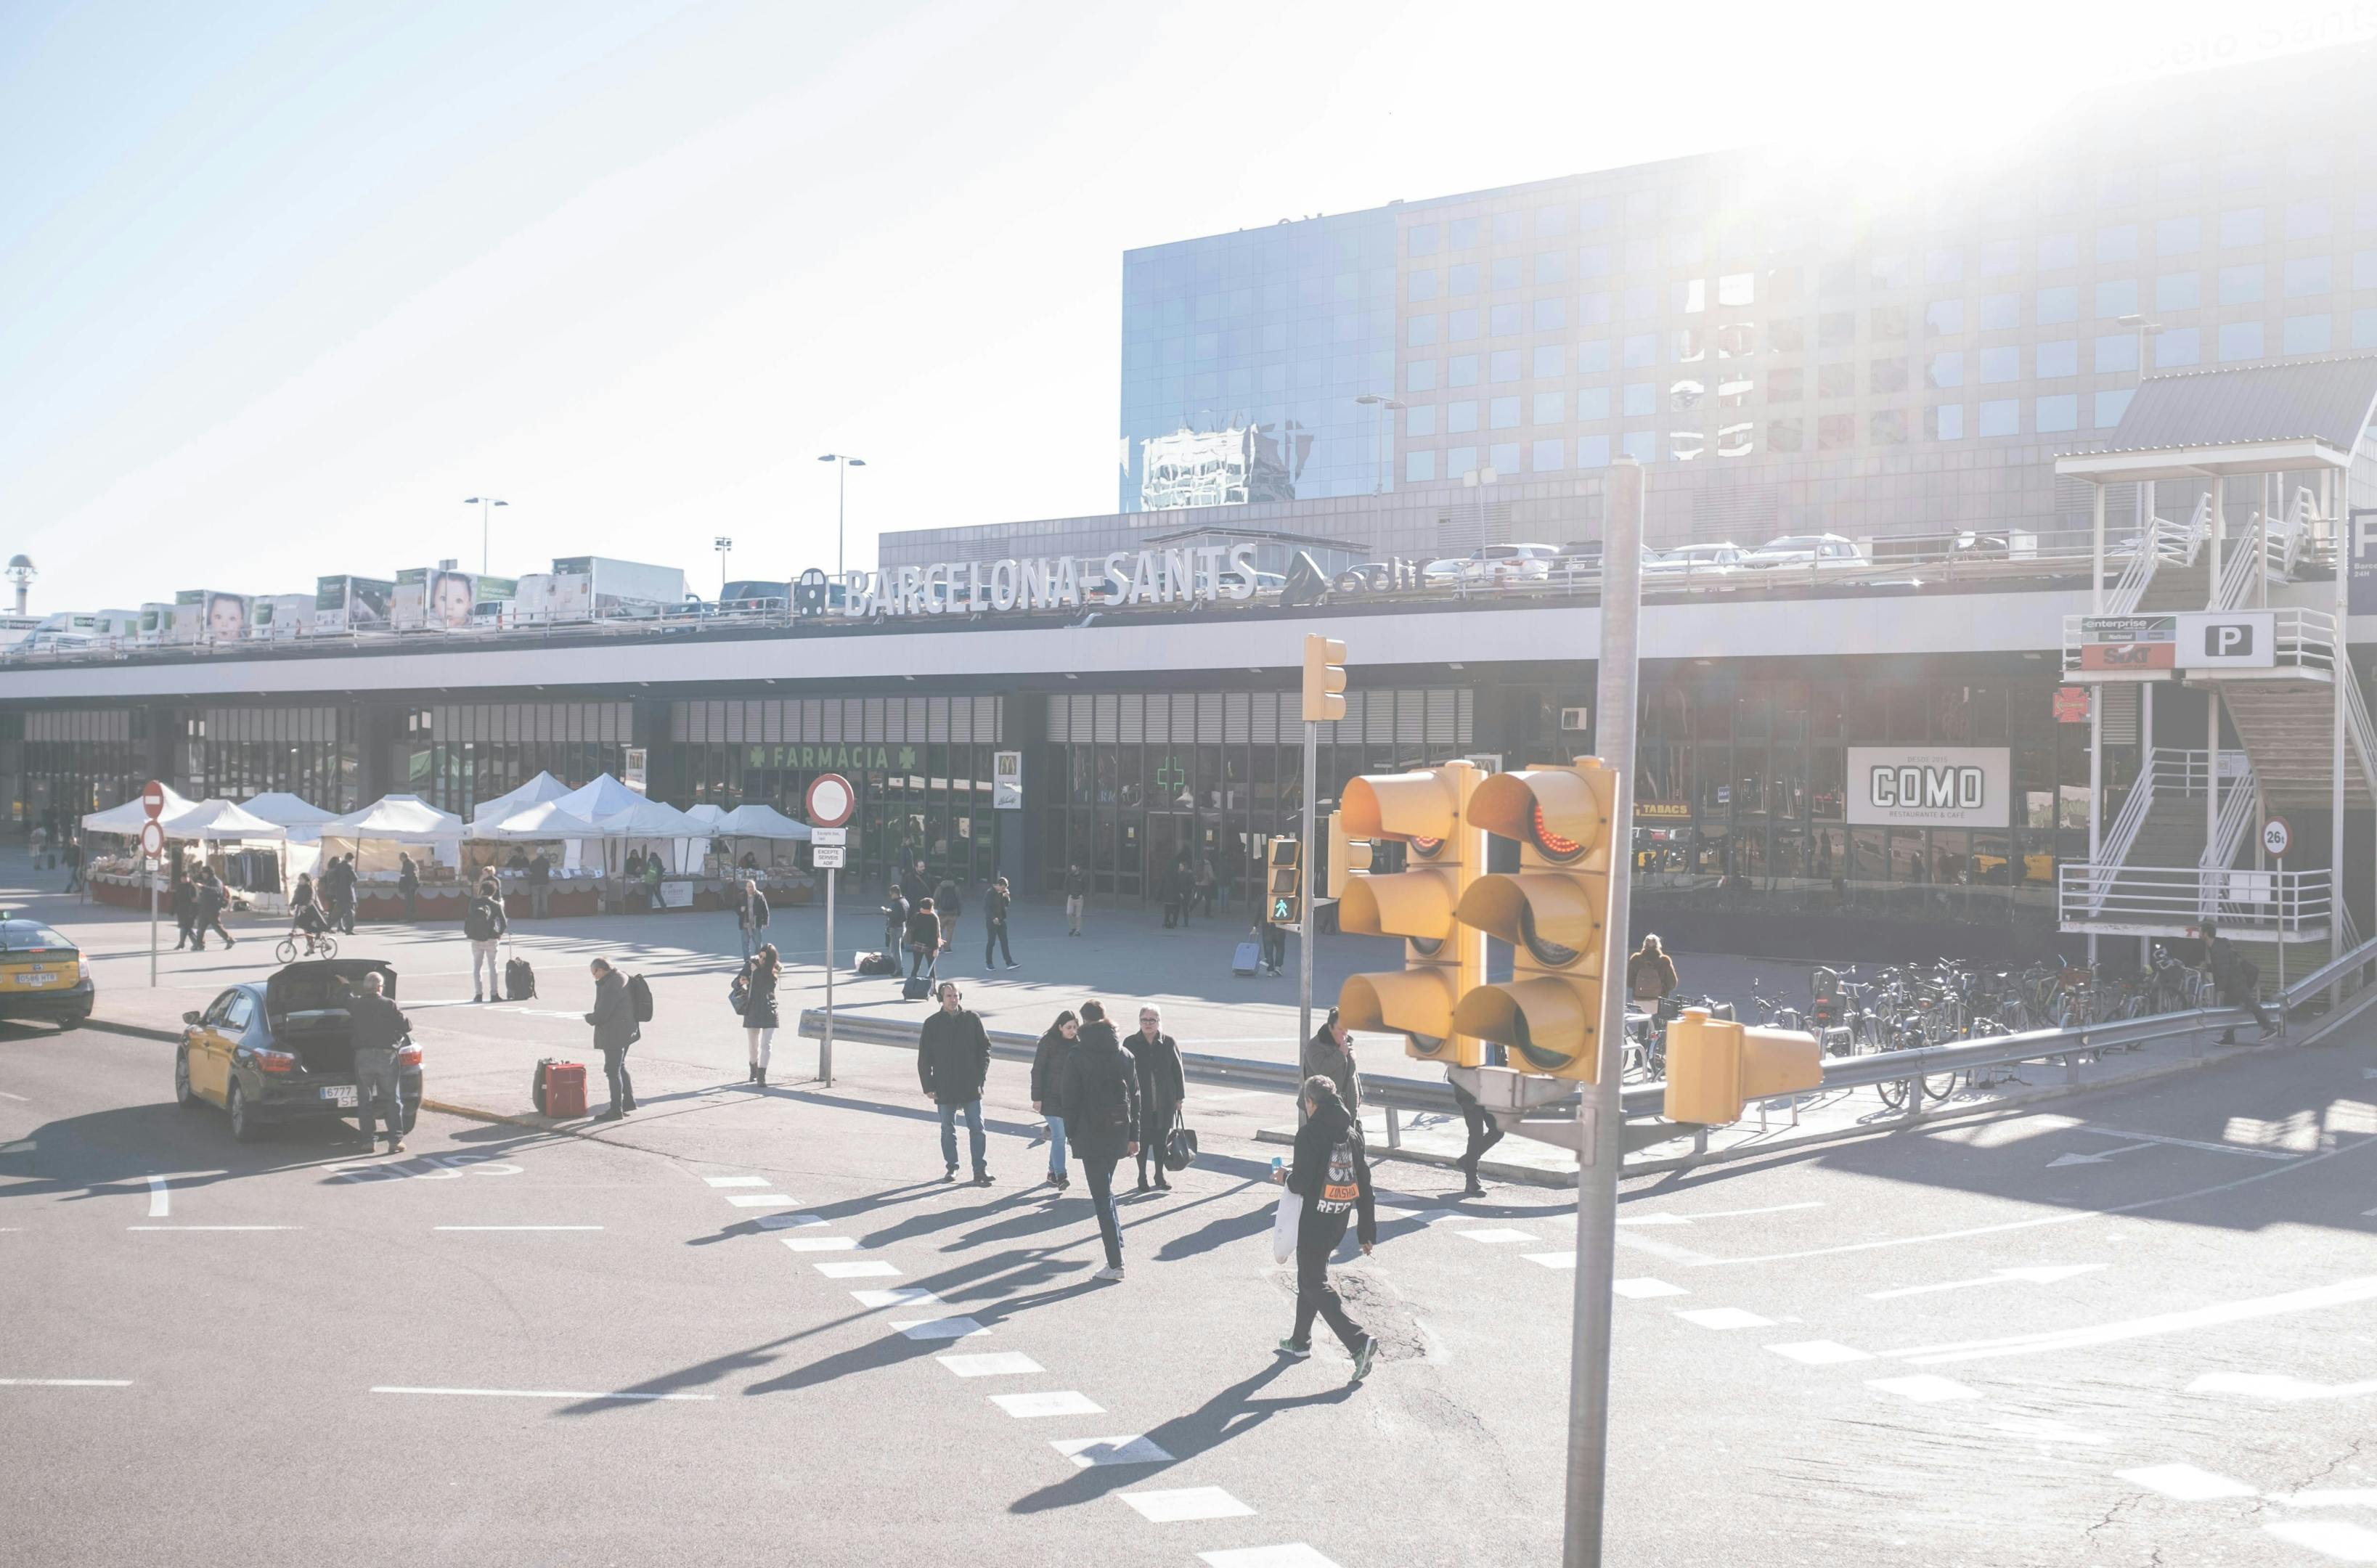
point(1715, 1066)
point(1347, 855)
point(1284, 894)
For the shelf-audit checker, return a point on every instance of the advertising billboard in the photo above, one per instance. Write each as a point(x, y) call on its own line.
point(1930, 787)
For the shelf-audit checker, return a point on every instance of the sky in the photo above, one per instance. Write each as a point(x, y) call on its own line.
point(285, 282)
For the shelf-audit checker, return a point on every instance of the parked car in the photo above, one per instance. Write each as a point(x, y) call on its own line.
point(279, 1051)
point(42, 975)
point(1695, 559)
point(1822, 550)
point(1495, 563)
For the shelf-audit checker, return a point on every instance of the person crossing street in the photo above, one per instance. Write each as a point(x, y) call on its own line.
point(1048, 1059)
point(751, 918)
point(1333, 1175)
point(1077, 888)
point(1162, 1086)
point(952, 1065)
point(1100, 1094)
point(760, 973)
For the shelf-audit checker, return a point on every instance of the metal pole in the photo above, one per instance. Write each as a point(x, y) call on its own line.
point(2333, 930)
point(825, 1047)
point(2097, 749)
point(841, 509)
point(156, 864)
point(1600, 1115)
point(1304, 873)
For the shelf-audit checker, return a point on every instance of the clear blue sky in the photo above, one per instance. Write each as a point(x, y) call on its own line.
point(285, 282)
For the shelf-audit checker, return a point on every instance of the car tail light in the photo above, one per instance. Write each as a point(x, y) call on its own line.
point(276, 1061)
point(408, 1056)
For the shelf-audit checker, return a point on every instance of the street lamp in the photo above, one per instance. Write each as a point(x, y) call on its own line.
point(722, 544)
point(483, 503)
point(1387, 407)
point(844, 462)
point(2142, 327)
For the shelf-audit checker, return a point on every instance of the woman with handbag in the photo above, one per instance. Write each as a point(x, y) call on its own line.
point(1161, 1087)
point(753, 995)
point(1331, 1174)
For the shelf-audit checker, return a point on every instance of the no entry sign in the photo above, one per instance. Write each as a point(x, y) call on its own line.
point(831, 800)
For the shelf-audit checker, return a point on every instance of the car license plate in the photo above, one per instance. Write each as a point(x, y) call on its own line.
point(339, 1094)
point(40, 977)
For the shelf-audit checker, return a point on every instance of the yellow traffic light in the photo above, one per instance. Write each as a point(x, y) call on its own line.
point(1347, 855)
point(1428, 813)
point(1324, 678)
point(1552, 912)
point(1283, 889)
point(1715, 1066)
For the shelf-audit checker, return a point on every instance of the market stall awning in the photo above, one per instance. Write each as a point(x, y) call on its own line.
point(653, 819)
point(302, 818)
point(755, 820)
point(544, 820)
point(536, 792)
point(213, 820)
point(706, 814)
point(606, 797)
point(405, 819)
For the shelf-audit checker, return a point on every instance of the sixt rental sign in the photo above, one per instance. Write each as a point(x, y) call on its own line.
point(1938, 787)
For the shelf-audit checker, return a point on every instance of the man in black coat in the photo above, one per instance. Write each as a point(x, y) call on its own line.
point(376, 1028)
point(1330, 1053)
point(952, 1064)
point(1162, 1086)
point(2237, 979)
point(1100, 1090)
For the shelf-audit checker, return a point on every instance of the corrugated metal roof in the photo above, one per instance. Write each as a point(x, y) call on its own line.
point(2323, 400)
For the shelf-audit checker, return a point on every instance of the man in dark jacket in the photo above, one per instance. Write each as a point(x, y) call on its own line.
point(377, 1026)
point(895, 922)
point(1331, 1174)
point(924, 940)
point(751, 918)
point(337, 885)
point(1162, 1086)
point(614, 1030)
point(995, 901)
point(1100, 1092)
point(540, 885)
point(484, 925)
point(213, 899)
point(1330, 1053)
point(952, 1064)
point(185, 916)
point(912, 885)
point(1077, 888)
point(2237, 979)
point(1048, 1087)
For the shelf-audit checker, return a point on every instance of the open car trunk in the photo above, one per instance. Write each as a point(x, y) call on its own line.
point(305, 1007)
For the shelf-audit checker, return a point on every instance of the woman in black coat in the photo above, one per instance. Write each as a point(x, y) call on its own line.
point(1100, 1093)
point(759, 977)
point(1048, 1089)
point(1162, 1086)
point(924, 940)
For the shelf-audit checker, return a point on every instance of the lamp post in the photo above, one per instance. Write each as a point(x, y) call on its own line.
point(844, 462)
point(2142, 327)
point(723, 545)
point(485, 503)
point(1386, 407)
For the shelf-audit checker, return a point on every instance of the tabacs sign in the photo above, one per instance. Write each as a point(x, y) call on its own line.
point(1939, 787)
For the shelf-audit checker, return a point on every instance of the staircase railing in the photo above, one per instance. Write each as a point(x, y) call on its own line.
point(2357, 727)
point(2237, 802)
point(2163, 541)
point(2176, 771)
point(2114, 847)
point(2144, 898)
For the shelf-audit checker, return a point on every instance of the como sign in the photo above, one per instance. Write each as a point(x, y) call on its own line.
point(1939, 787)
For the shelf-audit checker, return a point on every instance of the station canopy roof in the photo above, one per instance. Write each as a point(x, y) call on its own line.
point(2250, 419)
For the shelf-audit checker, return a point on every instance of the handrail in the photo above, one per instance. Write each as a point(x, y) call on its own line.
point(2289, 903)
point(2164, 543)
point(2337, 968)
point(2236, 821)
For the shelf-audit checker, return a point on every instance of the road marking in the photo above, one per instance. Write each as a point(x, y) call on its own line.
point(937, 1328)
point(2095, 1159)
point(515, 1227)
point(2335, 1295)
point(760, 1200)
point(738, 1181)
point(1497, 1238)
point(2336, 1497)
point(1820, 1352)
point(1294, 1554)
point(1724, 1318)
point(1925, 1389)
point(160, 1202)
point(2042, 1274)
point(1644, 1290)
point(2184, 1482)
point(538, 1394)
point(1129, 1449)
point(860, 1268)
point(2278, 1385)
point(1667, 1250)
point(789, 1222)
point(1551, 1260)
point(819, 1243)
point(898, 1296)
point(4, 1094)
point(2048, 1431)
point(1716, 1214)
point(994, 1364)
point(2184, 1142)
point(2338, 1538)
point(1187, 1504)
point(213, 1227)
point(66, 1383)
point(1032, 1406)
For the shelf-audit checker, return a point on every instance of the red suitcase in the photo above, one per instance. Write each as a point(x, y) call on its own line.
point(561, 1088)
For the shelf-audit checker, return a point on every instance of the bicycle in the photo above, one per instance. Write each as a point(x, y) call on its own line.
point(318, 944)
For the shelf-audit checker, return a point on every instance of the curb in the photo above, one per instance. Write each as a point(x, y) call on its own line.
point(137, 1031)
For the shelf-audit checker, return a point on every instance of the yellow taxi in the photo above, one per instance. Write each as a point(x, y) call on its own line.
point(41, 974)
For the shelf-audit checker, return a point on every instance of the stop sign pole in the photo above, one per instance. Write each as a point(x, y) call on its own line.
point(829, 803)
point(153, 801)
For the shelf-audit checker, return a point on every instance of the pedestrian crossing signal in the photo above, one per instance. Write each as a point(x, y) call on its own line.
point(1282, 911)
point(1287, 891)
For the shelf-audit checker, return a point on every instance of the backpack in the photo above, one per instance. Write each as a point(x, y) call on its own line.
point(477, 925)
point(519, 980)
point(639, 996)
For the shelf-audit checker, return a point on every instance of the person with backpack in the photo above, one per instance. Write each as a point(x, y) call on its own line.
point(994, 923)
point(1331, 1174)
point(616, 1028)
point(1162, 1086)
point(751, 918)
point(924, 941)
point(1650, 974)
point(952, 1065)
point(1099, 1090)
point(2237, 979)
point(1048, 1059)
point(213, 898)
point(484, 925)
point(1330, 1053)
point(758, 986)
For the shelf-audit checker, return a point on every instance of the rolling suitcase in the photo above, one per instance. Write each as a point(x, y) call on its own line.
point(1247, 960)
point(916, 988)
point(560, 1088)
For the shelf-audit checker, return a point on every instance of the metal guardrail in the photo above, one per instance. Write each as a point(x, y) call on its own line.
point(2167, 899)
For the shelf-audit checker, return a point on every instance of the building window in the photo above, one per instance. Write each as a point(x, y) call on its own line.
point(1994, 366)
point(1420, 420)
point(1459, 461)
point(1887, 323)
point(2117, 351)
point(1506, 272)
point(2306, 334)
point(1592, 309)
point(1461, 370)
point(2058, 359)
point(1885, 377)
point(1546, 456)
point(1551, 313)
point(1999, 312)
point(1461, 418)
point(2056, 305)
point(1507, 227)
point(2118, 243)
point(1886, 272)
point(1642, 303)
point(1551, 360)
point(1462, 280)
point(1787, 435)
point(1460, 327)
point(1642, 446)
point(2240, 285)
point(2001, 416)
point(1594, 357)
point(1461, 235)
point(2175, 346)
point(2111, 405)
point(1592, 261)
point(1784, 385)
point(1419, 376)
point(1551, 266)
point(1419, 467)
point(1835, 329)
point(1999, 258)
point(1737, 289)
point(2057, 252)
point(2364, 329)
point(2060, 411)
point(2306, 219)
point(1887, 427)
point(1641, 348)
point(2117, 299)
point(1641, 254)
point(1836, 432)
point(1423, 283)
point(2178, 236)
point(1944, 318)
point(2309, 275)
point(1836, 381)
point(2240, 339)
point(1504, 412)
point(2178, 290)
point(1502, 366)
point(2241, 227)
point(1420, 331)
point(1593, 451)
point(1551, 407)
point(1692, 296)
point(2364, 267)
point(1642, 398)
point(1423, 239)
point(1592, 403)
point(1945, 369)
point(1944, 422)
point(1786, 337)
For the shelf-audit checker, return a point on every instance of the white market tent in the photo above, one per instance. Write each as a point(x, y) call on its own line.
point(706, 814)
point(302, 818)
point(606, 797)
point(755, 820)
point(536, 792)
point(652, 823)
point(214, 820)
point(399, 819)
point(127, 817)
point(546, 820)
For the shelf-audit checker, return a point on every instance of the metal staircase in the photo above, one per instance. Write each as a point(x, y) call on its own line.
point(2164, 571)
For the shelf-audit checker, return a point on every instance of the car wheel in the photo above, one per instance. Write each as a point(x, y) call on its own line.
point(245, 1128)
point(183, 1094)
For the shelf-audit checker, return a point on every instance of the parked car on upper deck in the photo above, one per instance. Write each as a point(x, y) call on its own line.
point(1821, 550)
point(1693, 560)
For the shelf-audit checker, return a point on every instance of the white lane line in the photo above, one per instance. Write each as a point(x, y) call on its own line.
point(759, 1199)
point(788, 1222)
point(1714, 1214)
point(160, 1202)
point(2184, 1142)
point(2278, 1385)
point(1128, 1449)
point(538, 1394)
point(2339, 1538)
point(860, 1268)
point(2184, 1482)
point(213, 1227)
point(1926, 1388)
point(1820, 1352)
point(819, 1243)
point(1667, 1250)
point(1294, 1554)
point(1724, 1318)
point(1643, 1290)
point(1032, 1406)
point(2335, 1295)
point(515, 1227)
point(66, 1383)
point(738, 1181)
point(2045, 1430)
point(1185, 1505)
point(2331, 1497)
point(937, 1328)
point(4, 1094)
point(1497, 1237)
point(994, 1364)
point(2042, 1274)
point(898, 1296)
point(1551, 1260)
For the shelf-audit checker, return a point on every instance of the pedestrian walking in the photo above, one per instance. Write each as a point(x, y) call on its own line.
point(1650, 973)
point(924, 936)
point(377, 1027)
point(1048, 1059)
point(37, 842)
point(615, 1029)
point(945, 904)
point(484, 925)
point(1206, 883)
point(2237, 979)
point(212, 898)
point(952, 1064)
point(1330, 1053)
point(1170, 888)
point(1100, 1093)
point(540, 885)
point(994, 923)
point(337, 887)
point(1333, 1175)
point(912, 885)
point(1077, 889)
point(751, 918)
point(408, 884)
point(895, 918)
point(1483, 1133)
point(1161, 1087)
point(74, 866)
point(760, 972)
point(1274, 943)
point(185, 916)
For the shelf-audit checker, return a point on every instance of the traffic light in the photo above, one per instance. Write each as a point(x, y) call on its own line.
point(1426, 812)
point(1347, 855)
point(1552, 913)
point(1324, 678)
point(1714, 1066)
point(1284, 892)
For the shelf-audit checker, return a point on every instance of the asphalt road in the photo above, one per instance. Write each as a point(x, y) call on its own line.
point(2133, 1327)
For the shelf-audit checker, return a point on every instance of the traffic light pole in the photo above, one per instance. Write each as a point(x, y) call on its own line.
point(1601, 1115)
point(1304, 958)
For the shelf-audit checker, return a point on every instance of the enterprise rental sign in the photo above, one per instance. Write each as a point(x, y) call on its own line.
point(1209, 572)
point(1938, 787)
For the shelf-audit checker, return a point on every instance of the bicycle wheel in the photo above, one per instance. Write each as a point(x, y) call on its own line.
point(1894, 1092)
point(329, 947)
point(1939, 1086)
point(286, 953)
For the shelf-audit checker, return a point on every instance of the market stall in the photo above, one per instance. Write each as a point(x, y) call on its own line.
point(573, 881)
point(657, 856)
point(511, 803)
point(243, 850)
point(302, 854)
point(381, 836)
point(762, 842)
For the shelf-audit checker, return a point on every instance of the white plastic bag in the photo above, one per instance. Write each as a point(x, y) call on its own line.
point(1284, 1227)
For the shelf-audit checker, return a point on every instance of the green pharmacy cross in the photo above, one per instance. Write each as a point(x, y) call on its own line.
point(1172, 776)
